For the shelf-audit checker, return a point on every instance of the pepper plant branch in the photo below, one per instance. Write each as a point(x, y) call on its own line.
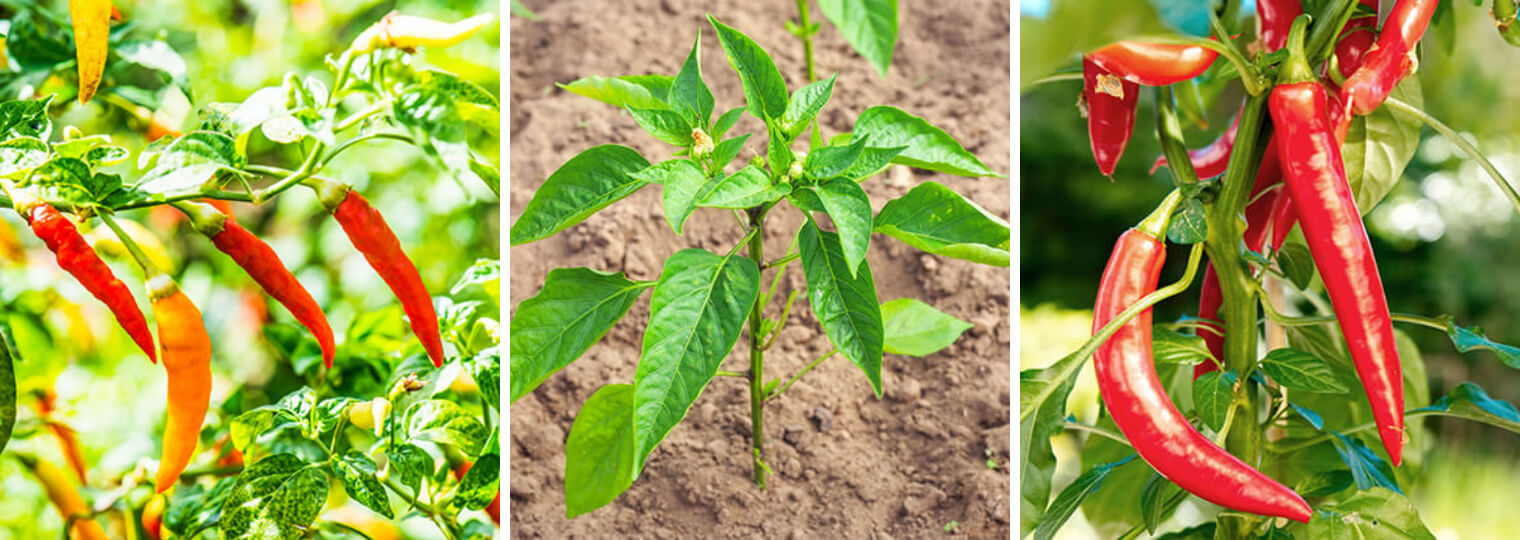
point(1169, 130)
point(1068, 366)
point(1463, 144)
point(361, 139)
point(1332, 17)
point(804, 32)
point(306, 170)
point(1057, 77)
point(777, 392)
point(1413, 413)
point(756, 354)
point(722, 373)
point(359, 116)
point(1095, 430)
point(786, 314)
point(131, 245)
point(778, 262)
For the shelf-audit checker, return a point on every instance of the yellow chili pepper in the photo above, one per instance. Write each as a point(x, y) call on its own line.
point(92, 29)
point(66, 498)
point(408, 32)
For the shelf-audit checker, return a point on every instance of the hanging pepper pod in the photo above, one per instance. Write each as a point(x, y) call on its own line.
point(1391, 59)
point(1273, 19)
point(1315, 175)
point(1110, 104)
point(373, 238)
point(65, 498)
point(264, 266)
point(187, 360)
point(76, 257)
point(1153, 64)
point(1137, 401)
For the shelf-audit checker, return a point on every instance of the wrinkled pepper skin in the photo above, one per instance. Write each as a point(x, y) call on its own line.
point(1316, 178)
point(367, 229)
point(76, 257)
point(1141, 409)
point(187, 360)
point(1392, 58)
point(1111, 103)
point(1153, 64)
point(264, 266)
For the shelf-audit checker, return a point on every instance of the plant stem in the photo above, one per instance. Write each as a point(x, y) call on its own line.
point(1095, 430)
point(757, 355)
point(1463, 144)
point(806, 34)
point(778, 262)
point(132, 248)
point(804, 371)
point(1243, 439)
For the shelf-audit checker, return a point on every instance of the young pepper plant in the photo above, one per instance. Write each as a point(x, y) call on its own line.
point(703, 301)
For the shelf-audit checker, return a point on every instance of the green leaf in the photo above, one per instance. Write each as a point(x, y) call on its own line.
point(576, 307)
point(764, 88)
point(914, 328)
point(805, 104)
point(1470, 401)
point(1048, 419)
point(728, 149)
point(481, 484)
point(1070, 498)
point(1156, 502)
point(635, 91)
point(667, 126)
point(1367, 469)
point(276, 497)
point(1172, 347)
point(831, 161)
point(1212, 394)
point(22, 155)
point(1298, 370)
point(747, 188)
point(26, 117)
point(683, 184)
point(1309, 416)
point(356, 472)
point(870, 26)
point(485, 369)
point(850, 209)
point(1373, 513)
point(191, 162)
point(1296, 262)
point(411, 465)
point(1190, 224)
point(587, 183)
point(937, 220)
point(726, 122)
point(699, 305)
point(7, 388)
point(1379, 145)
point(872, 161)
point(845, 303)
point(599, 454)
point(71, 179)
point(1468, 340)
point(689, 96)
point(928, 147)
point(447, 423)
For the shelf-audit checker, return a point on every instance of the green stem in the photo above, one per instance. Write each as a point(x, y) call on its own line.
point(722, 373)
point(1068, 366)
point(1463, 144)
point(1238, 312)
point(793, 380)
point(757, 356)
point(1095, 430)
point(806, 34)
point(1169, 129)
point(781, 261)
point(306, 170)
point(360, 139)
point(1328, 23)
point(1057, 77)
point(358, 117)
point(132, 247)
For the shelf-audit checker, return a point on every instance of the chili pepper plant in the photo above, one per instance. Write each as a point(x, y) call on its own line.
point(400, 416)
point(705, 302)
point(1318, 433)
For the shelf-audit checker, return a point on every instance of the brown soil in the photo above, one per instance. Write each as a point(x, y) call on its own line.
point(847, 465)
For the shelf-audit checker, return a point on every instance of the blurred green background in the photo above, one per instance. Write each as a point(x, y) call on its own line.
point(107, 391)
point(1445, 238)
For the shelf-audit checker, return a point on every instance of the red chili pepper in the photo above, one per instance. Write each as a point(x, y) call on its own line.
point(1138, 402)
point(1352, 50)
point(1273, 19)
point(1209, 161)
point(1153, 64)
point(75, 256)
point(1110, 108)
point(1316, 180)
point(264, 266)
point(1392, 58)
point(367, 229)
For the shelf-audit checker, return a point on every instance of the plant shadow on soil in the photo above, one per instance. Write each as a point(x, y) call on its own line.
point(847, 465)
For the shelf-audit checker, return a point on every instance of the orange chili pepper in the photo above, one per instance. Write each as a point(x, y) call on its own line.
point(187, 359)
point(66, 499)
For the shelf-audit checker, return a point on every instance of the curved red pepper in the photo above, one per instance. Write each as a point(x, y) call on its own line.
point(1352, 50)
point(1391, 59)
point(1141, 409)
point(1111, 103)
point(1209, 161)
point(1153, 64)
point(1316, 179)
point(75, 256)
point(264, 266)
point(367, 229)
point(1273, 19)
